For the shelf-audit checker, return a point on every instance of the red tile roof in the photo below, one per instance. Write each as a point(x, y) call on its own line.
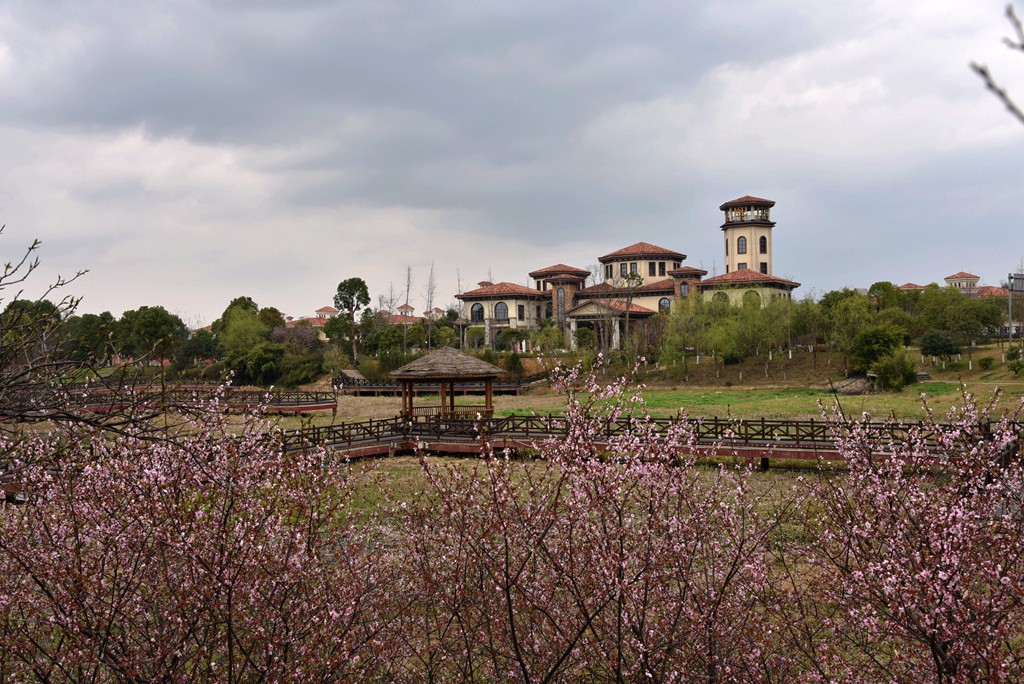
point(559, 269)
point(401, 319)
point(662, 285)
point(666, 285)
point(597, 289)
point(991, 291)
point(961, 275)
point(747, 199)
point(746, 276)
point(406, 307)
point(641, 250)
point(911, 286)
point(327, 309)
point(503, 290)
point(313, 322)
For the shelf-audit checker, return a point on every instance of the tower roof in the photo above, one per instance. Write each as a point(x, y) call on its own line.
point(559, 269)
point(747, 200)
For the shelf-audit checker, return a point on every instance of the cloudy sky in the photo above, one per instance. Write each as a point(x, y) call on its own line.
point(190, 151)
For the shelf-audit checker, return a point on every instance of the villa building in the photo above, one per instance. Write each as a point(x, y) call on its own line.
point(635, 283)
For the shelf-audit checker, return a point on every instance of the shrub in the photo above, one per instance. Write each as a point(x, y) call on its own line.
point(1015, 366)
point(514, 365)
point(1013, 354)
point(986, 363)
point(895, 371)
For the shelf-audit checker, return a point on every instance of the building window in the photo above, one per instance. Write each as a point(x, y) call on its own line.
point(632, 267)
point(764, 245)
point(741, 245)
point(521, 310)
point(501, 311)
point(650, 268)
point(661, 268)
point(560, 295)
point(664, 305)
point(538, 313)
point(726, 246)
point(742, 266)
point(476, 313)
point(764, 267)
point(684, 289)
point(623, 269)
point(675, 264)
point(609, 272)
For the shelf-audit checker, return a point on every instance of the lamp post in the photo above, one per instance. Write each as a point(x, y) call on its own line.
point(1015, 282)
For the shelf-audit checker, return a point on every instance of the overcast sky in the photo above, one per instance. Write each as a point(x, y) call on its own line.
point(190, 151)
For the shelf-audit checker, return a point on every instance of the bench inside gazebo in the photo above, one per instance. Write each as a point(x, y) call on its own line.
point(446, 368)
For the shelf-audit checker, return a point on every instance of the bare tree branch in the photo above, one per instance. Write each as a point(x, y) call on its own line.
point(986, 76)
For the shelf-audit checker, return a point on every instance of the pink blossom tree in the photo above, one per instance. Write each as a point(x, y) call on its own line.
point(210, 559)
point(615, 558)
point(918, 570)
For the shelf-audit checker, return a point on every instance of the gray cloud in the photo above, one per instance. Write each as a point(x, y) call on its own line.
point(293, 138)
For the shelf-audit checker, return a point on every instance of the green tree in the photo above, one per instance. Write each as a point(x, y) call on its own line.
point(149, 332)
point(88, 338)
point(475, 336)
point(351, 296)
point(940, 343)
point(548, 338)
point(271, 317)
point(509, 338)
point(884, 295)
point(241, 330)
point(845, 316)
point(872, 344)
point(444, 336)
point(201, 346)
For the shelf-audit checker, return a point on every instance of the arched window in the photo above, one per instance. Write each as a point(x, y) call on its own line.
point(751, 298)
point(501, 311)
point(741, 245)
point(664, 305)
point(721, 297)
point(476, 313)
point(764, 245)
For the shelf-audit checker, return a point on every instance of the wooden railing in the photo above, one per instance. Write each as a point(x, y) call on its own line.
point(99, 399)
point(811, 435)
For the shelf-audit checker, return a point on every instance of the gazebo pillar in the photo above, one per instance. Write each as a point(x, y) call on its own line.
point(489, 398)
point(442, 411)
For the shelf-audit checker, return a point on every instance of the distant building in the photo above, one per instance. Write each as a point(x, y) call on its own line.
point(963, 281)
point(637, 282)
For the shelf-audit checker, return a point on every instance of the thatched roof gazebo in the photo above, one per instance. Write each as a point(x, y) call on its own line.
point(446, 367)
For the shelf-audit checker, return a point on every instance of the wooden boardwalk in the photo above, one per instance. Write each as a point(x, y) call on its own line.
point(755, 441)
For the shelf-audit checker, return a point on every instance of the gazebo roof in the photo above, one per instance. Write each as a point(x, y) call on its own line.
point(446, 363)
